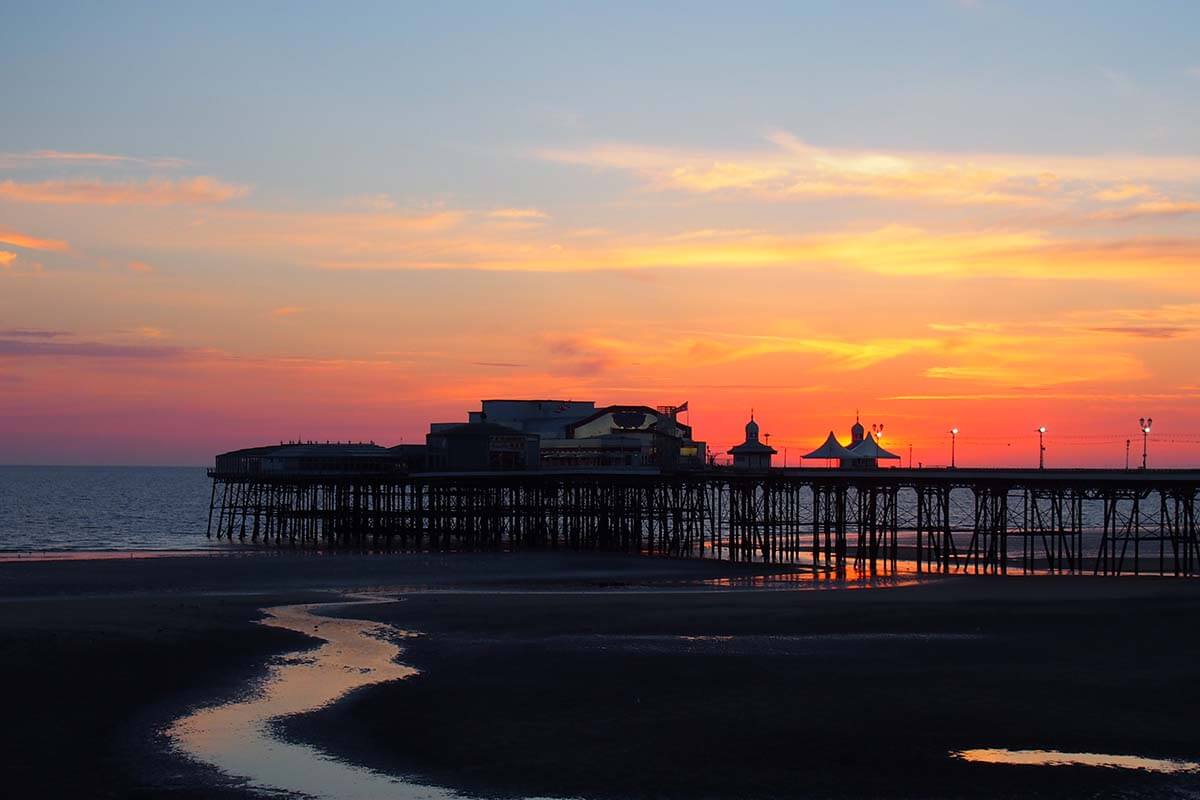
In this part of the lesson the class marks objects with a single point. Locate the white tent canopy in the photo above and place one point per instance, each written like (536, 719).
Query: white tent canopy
(869, 448)
(833, 449)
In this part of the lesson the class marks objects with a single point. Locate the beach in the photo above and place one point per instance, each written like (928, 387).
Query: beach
(588, 675)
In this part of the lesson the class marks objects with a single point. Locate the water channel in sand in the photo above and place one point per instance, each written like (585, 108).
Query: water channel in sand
(237, 737)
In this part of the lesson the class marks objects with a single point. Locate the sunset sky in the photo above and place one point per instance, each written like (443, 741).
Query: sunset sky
(223, 226)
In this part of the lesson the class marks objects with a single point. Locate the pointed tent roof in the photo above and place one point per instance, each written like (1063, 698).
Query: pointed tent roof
(832, 449)
(869, 448)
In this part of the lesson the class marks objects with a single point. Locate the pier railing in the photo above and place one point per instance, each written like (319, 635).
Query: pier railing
(977, 521)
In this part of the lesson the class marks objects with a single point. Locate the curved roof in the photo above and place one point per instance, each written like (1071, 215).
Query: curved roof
(745, 448)
(832, 449)
(869, 448)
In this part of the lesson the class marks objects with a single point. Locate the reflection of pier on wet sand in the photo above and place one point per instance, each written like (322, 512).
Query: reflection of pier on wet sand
(988, 521)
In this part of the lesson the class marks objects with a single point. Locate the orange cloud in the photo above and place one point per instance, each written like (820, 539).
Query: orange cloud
(286, 311)
(6, 258)
(450, 239)
(1124, 191)
(1036, 362)
(153, 192)
(891, 250)
(30, 242)
(140, 266)
(591, 352)
(722, 175)
(518, 213)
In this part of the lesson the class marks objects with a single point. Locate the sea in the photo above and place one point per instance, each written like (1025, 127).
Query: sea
(103, 509)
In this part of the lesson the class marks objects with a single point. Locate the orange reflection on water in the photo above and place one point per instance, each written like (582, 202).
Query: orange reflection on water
(1056, 758)
(238, 739)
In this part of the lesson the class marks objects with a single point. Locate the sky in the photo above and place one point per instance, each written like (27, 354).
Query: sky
(225, 225)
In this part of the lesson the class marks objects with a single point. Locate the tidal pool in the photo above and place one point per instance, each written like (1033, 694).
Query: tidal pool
(237, 737)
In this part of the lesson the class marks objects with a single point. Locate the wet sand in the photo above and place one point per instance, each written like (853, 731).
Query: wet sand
(609, 677)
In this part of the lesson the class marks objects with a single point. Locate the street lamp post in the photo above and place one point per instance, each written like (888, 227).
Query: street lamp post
(953, 447)
(1041, 432)
(1145, 423)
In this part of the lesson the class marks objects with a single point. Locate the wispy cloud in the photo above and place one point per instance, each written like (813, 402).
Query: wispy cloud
(586, 353)
(286, 311)
(518, 213)
(1150, 208)
(891, 250)
(1144, 331)
(152, 192)
(792, 169)
(372, 202)
(26, 348)
(16, 239)
(140, 266)
(31, 333)
(517, 219)
(1035, 367)
(1124, 191)
(35, 157)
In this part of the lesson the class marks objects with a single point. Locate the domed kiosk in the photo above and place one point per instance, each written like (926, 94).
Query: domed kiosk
(752, 454)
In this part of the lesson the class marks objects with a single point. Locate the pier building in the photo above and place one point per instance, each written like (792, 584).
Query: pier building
(752, 454)
(625, 436)
(480, 446)
(309, 458)
(577, 434)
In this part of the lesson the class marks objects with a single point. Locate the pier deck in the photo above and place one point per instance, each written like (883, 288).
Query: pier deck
(978, 521)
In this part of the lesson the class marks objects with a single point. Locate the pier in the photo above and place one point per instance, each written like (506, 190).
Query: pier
(835, 521)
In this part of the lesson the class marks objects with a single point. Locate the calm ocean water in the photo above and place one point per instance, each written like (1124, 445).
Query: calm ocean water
(103, 508)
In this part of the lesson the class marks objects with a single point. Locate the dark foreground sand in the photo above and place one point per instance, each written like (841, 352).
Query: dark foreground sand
(532, 687)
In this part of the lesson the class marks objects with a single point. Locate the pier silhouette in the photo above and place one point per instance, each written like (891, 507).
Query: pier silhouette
(836, 521)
